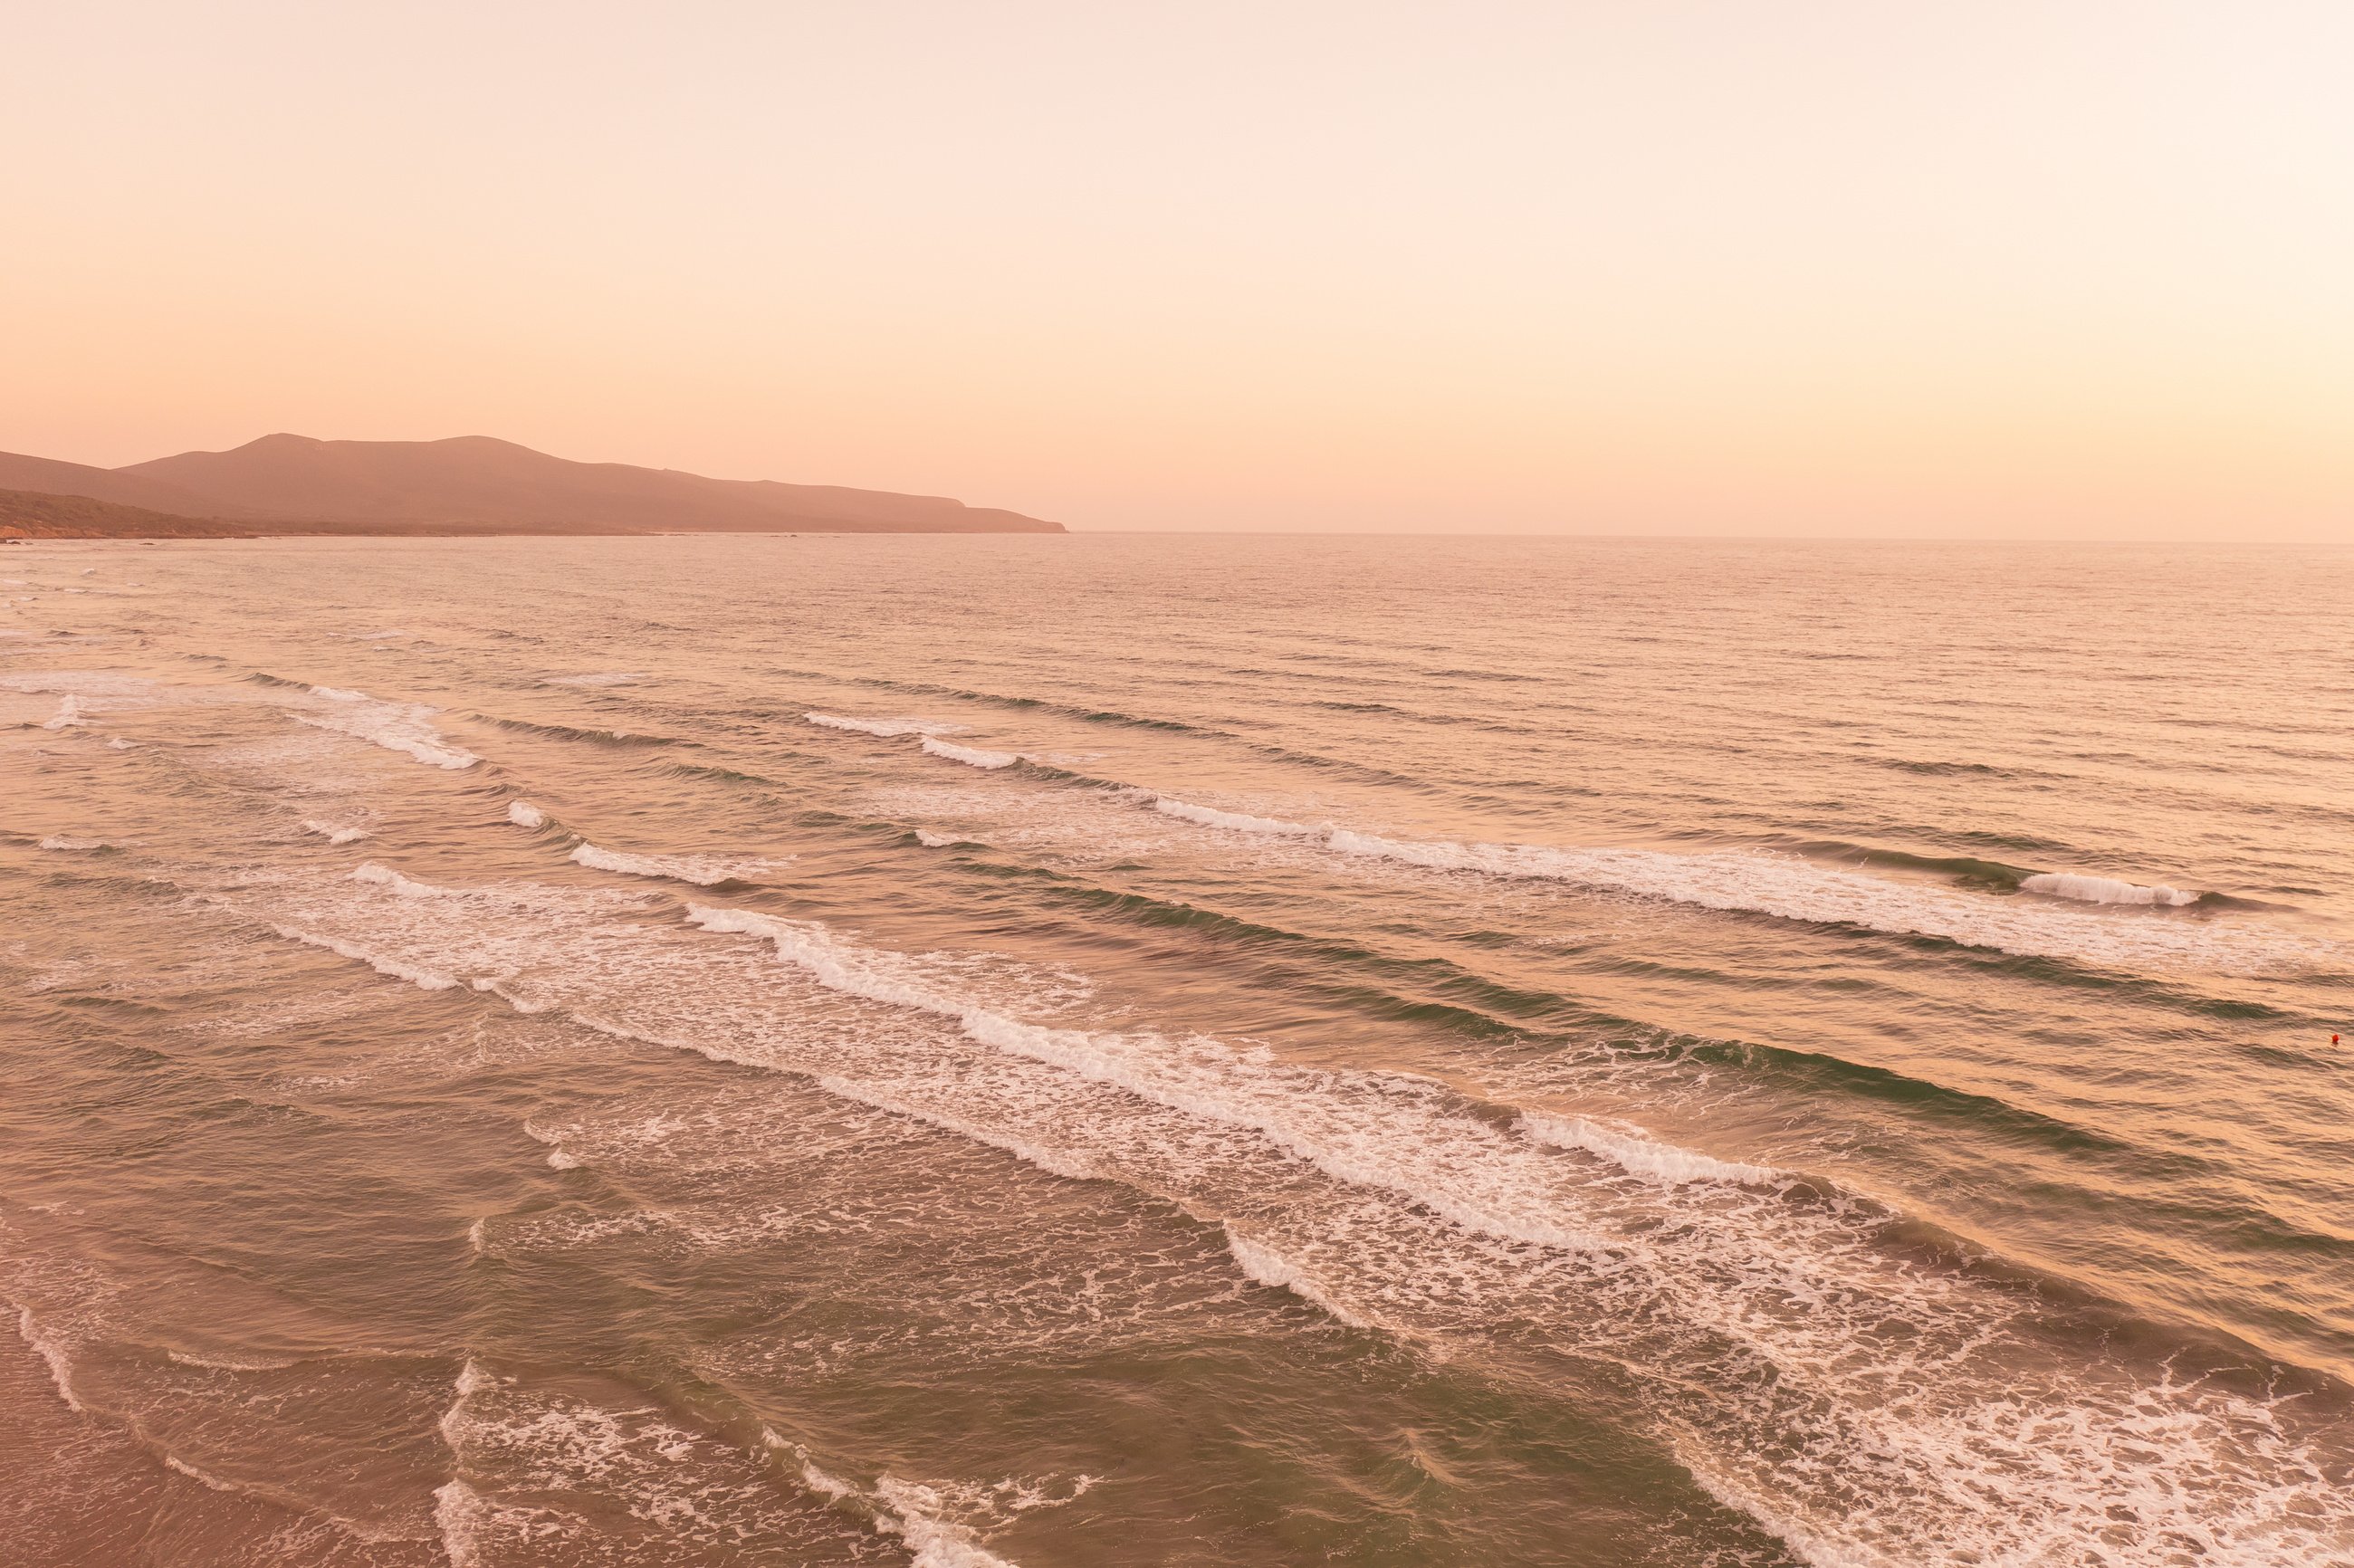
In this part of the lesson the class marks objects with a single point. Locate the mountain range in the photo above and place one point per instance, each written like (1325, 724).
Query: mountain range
(475, 484)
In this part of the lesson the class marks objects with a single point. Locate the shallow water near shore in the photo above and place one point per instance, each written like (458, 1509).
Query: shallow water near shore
(1159, 1050)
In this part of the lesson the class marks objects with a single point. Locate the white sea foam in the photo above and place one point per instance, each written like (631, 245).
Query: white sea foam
(1791, 888)
(173, 1462)
(885, 728)
(1808, 1545)
(1638, 1153)
(558, 1156)
(369, 871)
(1794, 889)
(1793, 1351)
(703, 870)
(524, 814)
(831, 1487)
(116, 743)
(525, 1453)
(2104, 890)
(397, 727)
(459, 1513)
(938, 1543)
(68, 716)
(1234, 822)
(908, 1510)
(334, 834)
(52, 1355)
(424, 979)
(971, 756)
(1269, 1267)
(218, 1362)
(930, 840)
(472, 1379)
(1142, 1065)
(1054, 1161)
(64, 841)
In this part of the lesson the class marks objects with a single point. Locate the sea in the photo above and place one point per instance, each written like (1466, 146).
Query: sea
(974, 1051)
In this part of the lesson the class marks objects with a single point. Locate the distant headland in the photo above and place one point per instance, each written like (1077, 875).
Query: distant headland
(465, 485)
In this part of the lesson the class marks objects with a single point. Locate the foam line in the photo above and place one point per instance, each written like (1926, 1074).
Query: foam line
(1234, 822)
(397, 726)
(2104, 890)
(424, 979)
(703, 870)
(905, 1509)
(1792, 1350)
(1130, 1063)
(1788, 887)
(887, 728)
(52, 1354)
(971, 756)
(1639, 1154)
(1267, 1267)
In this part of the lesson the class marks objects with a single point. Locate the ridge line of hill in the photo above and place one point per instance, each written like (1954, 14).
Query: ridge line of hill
(466, 484)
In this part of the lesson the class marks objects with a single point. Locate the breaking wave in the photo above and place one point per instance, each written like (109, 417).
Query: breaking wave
(397, 727)
(889, 729)
(1264, 1266)
(1234, 822)
(384, 876)
(1639, 1154)
(53, 1356)
(1398, 1202)
(703, 870)
(971, 756)
(1762, 882)
(2102, 890)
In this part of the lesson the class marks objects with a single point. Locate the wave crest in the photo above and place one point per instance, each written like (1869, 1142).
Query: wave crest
(889, 729)
(971, 756)
(2104, 890)
(703, 870)
(404, 727)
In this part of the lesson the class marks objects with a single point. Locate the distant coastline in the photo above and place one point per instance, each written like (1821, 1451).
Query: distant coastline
(467, 485)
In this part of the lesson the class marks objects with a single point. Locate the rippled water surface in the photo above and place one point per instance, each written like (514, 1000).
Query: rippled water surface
(1076, 1051)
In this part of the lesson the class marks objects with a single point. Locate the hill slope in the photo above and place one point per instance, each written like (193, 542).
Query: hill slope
(25, 515)
(477, 480)
(48, 476)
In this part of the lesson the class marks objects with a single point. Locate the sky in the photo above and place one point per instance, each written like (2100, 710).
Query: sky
(2064, 269)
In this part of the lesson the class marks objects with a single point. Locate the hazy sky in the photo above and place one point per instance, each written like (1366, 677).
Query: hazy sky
(1752, 266)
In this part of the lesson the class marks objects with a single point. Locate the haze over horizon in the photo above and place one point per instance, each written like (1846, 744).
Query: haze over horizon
(2069, 270)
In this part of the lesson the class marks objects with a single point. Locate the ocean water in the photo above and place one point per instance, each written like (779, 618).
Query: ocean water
(1125, 1051)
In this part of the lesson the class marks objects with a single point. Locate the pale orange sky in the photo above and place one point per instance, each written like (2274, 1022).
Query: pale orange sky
(1752, 266)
